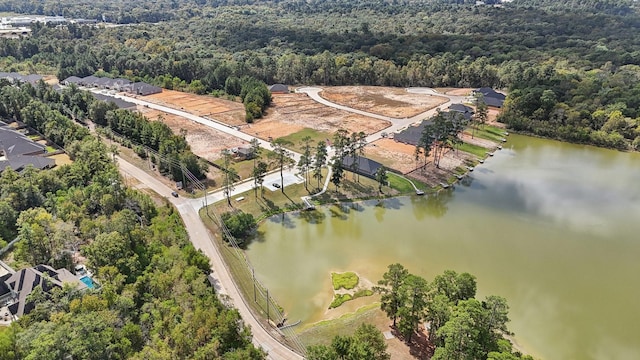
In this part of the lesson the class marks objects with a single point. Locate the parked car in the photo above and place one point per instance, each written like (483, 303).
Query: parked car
(276, 185)
(174, 194)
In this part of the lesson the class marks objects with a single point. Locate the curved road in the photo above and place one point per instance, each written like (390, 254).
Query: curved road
(198, 233)
(396, 123)
(201, 239)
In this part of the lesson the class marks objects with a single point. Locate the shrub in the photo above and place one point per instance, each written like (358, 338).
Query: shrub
(347, 280)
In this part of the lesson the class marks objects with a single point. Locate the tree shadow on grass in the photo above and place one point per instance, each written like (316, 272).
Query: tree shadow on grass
(419, 348)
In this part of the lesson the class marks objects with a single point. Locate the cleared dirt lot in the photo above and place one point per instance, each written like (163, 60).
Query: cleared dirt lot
(226, 111)
(387, 101)
(291, 113)
(392, 154)
(203, 140)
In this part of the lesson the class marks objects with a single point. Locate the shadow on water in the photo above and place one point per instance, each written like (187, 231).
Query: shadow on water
(337, 211)
(435, 205)
(383, 205)
(312, 216)
(467, 181)
(283, 219)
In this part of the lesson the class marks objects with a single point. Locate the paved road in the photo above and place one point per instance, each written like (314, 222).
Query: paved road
(201, 239)
(212, 123)
(199, 235)
(396, 123)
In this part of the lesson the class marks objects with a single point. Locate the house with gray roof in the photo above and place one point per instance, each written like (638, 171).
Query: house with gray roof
(491, 97)
(15, 77)
(119, 84)
(18, 151)
(102, 82)
(142, 88)
(279, 89)
(365, 166)
(72, 80)
(121, 104)
(16, 287)
(466, 111)
(412, 134)
(88, 81)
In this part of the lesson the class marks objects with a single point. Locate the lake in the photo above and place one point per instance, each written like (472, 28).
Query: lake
(552, 227)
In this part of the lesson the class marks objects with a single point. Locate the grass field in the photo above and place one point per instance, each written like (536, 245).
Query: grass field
(479, 151)
(315, 135)
(324, 331)
(488, 132)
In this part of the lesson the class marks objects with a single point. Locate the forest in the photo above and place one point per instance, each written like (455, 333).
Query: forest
(570, 68)
(154, 301)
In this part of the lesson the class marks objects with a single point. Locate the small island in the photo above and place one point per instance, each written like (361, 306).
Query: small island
(346, 286)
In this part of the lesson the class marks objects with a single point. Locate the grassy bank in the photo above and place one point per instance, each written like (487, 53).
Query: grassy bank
(324, 331)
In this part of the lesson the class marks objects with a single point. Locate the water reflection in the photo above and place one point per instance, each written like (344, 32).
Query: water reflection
(558, 241)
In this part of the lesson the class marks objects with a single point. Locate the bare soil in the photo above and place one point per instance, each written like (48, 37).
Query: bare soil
(204, 141)
(228, 112)
(392, 154)
(401, 157)
(290, 113)
(387, 101)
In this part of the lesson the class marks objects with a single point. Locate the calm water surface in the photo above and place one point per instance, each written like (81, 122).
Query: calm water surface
(552, 227)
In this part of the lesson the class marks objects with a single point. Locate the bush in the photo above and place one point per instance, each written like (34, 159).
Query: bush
(339, 300)
(239, 224)
(347, 280)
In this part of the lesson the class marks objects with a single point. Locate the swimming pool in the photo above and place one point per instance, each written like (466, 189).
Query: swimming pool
(87, 281)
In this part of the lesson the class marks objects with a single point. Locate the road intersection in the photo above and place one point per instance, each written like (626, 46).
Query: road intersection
(198, 233)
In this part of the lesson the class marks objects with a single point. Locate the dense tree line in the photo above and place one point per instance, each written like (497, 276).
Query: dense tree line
(529, 48)
(155, 300)
(460, 327)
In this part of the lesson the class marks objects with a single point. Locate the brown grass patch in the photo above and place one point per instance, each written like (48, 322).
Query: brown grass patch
(61, 159)
(387, 101)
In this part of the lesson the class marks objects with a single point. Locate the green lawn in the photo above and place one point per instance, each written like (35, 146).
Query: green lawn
(315, 135)
(347, 280)
(50, 148)
(402, 185)
(324, 331)
(479, 151)
(487, 132)
(339, 299)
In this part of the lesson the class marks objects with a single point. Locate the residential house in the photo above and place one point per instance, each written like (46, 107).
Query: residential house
(72, 80)
(119, 84)
(412, 134)
(244, 153)
(365, 166)
(142, 88)
(16, 287)
(466, 111)
(279, 89)
(15, 77)
(491, 97)
(18, 151)
(89, 81)
(121, 104)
